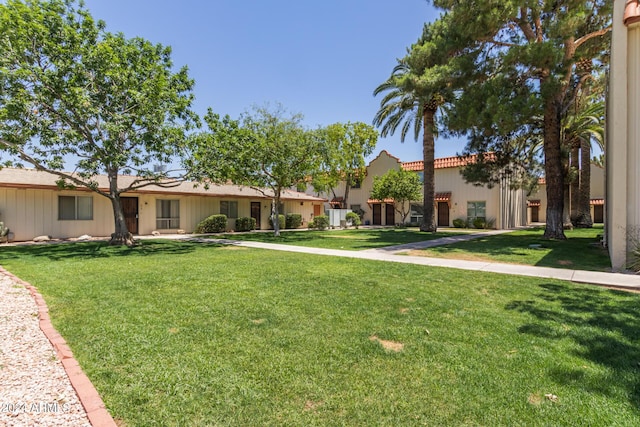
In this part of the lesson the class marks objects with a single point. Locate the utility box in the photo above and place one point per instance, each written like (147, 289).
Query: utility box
(338, 217)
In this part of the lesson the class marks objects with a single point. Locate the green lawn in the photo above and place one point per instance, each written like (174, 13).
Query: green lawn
(182, 334)
(345, 239)
(580, 251)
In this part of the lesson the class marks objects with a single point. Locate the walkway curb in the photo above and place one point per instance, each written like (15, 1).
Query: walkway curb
(87, 394)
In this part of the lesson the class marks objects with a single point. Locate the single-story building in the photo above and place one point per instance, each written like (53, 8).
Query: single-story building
(31, 204)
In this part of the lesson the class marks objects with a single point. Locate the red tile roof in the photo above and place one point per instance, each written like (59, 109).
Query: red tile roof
(534, 203)
(373, 201)
(443, 162)
(597, 202)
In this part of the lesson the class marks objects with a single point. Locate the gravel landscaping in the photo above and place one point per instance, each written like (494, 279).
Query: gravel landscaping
(34, 387)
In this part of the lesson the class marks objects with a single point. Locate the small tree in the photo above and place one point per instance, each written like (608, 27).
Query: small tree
(69, 88)
(401, 186)
(265, 150)
(345, 149)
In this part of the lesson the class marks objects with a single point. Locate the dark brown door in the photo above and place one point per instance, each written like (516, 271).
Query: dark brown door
(130, 208)
(443, 214)
(317, 210)
(255, 213)
(377, 214)
(535, 213)
(390, 214)
(598, 214)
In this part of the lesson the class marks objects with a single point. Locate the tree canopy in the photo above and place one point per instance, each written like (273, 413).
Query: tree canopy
(72, 92)
(266, 149)
(530, 61)
(345, 149)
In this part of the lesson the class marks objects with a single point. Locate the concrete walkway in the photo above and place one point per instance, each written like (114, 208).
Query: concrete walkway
(617, 280)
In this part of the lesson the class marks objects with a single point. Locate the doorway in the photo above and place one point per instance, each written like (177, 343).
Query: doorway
(255, 213)
(390, 214)
(443, 214)
(130, 209)
(377, 214)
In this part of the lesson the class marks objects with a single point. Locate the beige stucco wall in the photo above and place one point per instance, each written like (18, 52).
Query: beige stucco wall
(623, 133)
(34, 212)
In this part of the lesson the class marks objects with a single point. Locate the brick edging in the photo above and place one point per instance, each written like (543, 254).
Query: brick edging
(87, 393)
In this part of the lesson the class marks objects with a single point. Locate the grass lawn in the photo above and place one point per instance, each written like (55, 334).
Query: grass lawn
(184, 334)
(353, 239)
(580, 251)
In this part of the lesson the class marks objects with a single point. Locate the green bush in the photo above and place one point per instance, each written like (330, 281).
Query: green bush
(212, 224)
(321, 222)
(460, 223)
(282, 222)
(293, 220)
(479, 223)
(245, 224)
(354, 219)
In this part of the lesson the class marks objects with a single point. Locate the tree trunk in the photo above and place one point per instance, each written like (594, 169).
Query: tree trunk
(566, 217)
(574, 180)
(347, 187)
(122, 235)
(275, 220)
(428, 153)
(553, 171)
(584, 219)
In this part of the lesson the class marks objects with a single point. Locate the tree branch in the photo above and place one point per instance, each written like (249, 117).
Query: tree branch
(590, 36)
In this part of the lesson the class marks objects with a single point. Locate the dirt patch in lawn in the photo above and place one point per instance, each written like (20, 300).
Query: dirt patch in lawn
(451, 255)
(311, 406)
(258, 321)
(393, 346)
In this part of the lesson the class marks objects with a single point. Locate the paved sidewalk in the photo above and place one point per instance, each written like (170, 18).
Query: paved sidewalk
(617, 280)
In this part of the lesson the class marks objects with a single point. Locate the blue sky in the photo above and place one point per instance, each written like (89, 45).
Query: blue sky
(319, 58)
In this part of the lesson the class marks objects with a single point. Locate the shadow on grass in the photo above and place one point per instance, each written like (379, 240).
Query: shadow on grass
(88, 250)
(604, 324)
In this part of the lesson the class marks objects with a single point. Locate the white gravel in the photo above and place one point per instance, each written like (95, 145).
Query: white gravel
(34, 387)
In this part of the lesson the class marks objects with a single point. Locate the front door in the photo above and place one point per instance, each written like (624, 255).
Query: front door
(377, 214)
(317, 210)
(390, 214)
(255, 213)
(130, 208)
(598, 214)
(443, 214)
(535, 213)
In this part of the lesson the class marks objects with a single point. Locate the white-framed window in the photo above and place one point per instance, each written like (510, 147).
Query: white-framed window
(476, 210)
(416, 213)
(167, 214)
(71, 208)
(229, 208)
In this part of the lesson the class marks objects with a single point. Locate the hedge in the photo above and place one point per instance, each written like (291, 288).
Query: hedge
(212, 224)
(245, 224)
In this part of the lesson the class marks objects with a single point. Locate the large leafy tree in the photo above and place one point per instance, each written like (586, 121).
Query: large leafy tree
(71, 91)
(401, 186)
(346, 146)
(267, 149)
(526, 73)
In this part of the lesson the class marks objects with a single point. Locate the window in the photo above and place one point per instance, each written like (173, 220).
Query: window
(75, 208)
(355, 208)
(230, 209)
(421, 176)
(356, 184)
(416, 213)
(476, 210)
(167, 214)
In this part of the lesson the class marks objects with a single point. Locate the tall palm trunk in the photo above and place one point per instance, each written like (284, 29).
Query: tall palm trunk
(584, 219)
(428, 154)
(574, 179)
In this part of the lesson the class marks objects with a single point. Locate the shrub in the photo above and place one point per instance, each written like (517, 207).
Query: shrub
(321, 222)
(491, 223)
(460, 223)
(293, 220)
(245, 224)
(479, 222)
(354, 219)
(212, 224)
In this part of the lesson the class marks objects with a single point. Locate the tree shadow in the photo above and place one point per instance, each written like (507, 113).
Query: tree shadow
(92, 250)
(605, 325)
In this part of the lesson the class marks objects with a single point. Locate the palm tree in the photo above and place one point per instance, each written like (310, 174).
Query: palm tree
(581, 129)
(407, 105)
